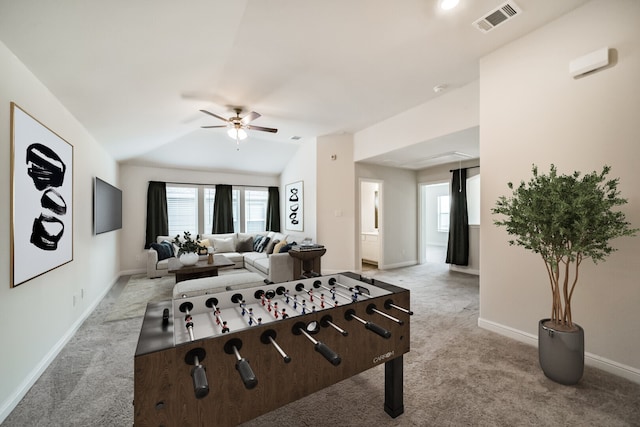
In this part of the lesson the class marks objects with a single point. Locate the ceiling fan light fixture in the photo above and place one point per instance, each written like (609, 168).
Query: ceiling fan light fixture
(237, 133)
(448, 4)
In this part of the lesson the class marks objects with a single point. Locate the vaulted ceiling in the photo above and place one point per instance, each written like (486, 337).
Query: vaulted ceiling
(136, 73)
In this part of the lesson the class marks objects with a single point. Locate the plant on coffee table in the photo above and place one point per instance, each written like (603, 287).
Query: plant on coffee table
(186, 244)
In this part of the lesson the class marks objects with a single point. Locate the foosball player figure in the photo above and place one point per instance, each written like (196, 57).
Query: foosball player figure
(250, 316)
(354, 297)
(286, 296)
(311, 295)
(275, 309)
(217, 314)
(295, 302)
(333, 293)
(243, 306)
(313, 308)
(321, 300)
(304, 307)
(264, 302)
(284, 315)
(269, 305)
(259, 320)
(225, 328)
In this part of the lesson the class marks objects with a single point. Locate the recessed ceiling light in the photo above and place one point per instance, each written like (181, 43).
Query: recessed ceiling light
(448, 4)
(295, 137)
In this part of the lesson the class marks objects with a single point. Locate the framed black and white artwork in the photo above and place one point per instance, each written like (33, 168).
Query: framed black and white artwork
(294, 207)
(41, 198)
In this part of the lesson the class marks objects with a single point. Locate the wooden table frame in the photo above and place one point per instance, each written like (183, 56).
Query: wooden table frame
(200, 269)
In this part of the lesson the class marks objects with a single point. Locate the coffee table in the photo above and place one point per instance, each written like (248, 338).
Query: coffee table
(199, 269)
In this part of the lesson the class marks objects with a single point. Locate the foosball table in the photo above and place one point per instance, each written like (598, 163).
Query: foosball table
(225, 358)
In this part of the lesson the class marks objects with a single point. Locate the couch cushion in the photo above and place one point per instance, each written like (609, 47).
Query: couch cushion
(244, 244)
(163, 265)
(251, 257)
(262, 245)
(222, 245)
(276, 249)
(262, 264)
(272, 244)
(256, 242)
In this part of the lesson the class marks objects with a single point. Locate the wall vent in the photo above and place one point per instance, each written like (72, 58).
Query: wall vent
(497, 16)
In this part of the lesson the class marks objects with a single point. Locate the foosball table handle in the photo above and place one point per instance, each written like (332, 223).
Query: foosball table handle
(328, 354)
(246, 373)
(378, 330)
(200, 383)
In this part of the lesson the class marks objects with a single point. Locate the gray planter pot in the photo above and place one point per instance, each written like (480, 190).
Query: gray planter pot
(561, 353)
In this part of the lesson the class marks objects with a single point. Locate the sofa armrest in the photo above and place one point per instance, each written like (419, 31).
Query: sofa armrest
(280, 267)
(152, 264)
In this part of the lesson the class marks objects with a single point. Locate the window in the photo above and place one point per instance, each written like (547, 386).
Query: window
(443, 213)
(255, 210)
(182, 210)
(249, 209)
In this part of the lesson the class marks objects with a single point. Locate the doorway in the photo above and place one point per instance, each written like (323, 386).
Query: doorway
(370, 224)
(434, 222)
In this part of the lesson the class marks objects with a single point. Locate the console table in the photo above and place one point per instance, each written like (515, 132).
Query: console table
(306, 262)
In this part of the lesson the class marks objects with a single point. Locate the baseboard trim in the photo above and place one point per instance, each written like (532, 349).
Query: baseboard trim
(397, 265)
(590, 359)
(466, 270)
(18, 394)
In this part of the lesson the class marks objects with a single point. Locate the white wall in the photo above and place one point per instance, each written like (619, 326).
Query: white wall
(135, 182)
(399, 214)
(302, 167)
(39, 316)
(454, 111)
(532, 111)
(336, 203)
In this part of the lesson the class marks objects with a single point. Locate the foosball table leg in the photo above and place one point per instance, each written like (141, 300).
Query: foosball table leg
(393, 387)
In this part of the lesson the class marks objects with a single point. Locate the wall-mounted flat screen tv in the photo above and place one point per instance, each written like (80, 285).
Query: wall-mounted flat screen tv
(107, 207)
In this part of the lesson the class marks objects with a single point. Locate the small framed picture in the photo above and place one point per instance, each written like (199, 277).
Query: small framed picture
(294, 206)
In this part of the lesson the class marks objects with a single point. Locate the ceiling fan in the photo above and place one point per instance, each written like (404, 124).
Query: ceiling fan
(237, 124)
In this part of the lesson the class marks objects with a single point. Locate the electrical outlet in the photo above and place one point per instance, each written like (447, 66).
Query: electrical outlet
(82, 293)
(74, 300)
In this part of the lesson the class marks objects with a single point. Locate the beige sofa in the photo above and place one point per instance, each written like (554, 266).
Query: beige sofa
(237, 247)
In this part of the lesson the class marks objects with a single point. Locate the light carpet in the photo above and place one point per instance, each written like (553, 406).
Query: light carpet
(456, 374)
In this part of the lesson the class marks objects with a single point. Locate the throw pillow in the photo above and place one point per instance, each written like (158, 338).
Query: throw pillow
(169, 246)
(276, 248)
(162, 250)
(224, 245)
(263, 244)
(245, 245)
(287, 247)
(205, 243)
(270, 247)
(256, 242)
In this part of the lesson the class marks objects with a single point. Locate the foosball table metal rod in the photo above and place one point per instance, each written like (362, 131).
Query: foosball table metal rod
(384, 333)
(371, 308)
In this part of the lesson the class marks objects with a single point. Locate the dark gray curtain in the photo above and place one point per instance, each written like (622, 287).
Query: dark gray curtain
(458, 247)
(157, 217)
(223, 209)
(273, 209)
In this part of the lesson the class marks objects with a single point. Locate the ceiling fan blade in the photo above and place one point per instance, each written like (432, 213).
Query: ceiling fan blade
(272, 130)
(249, 117)
(211, 127)
(215, 115)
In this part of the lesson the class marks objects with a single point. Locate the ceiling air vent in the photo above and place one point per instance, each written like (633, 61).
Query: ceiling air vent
(497, 16)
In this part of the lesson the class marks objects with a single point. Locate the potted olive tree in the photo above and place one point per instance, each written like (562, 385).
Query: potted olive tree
(566, 219)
